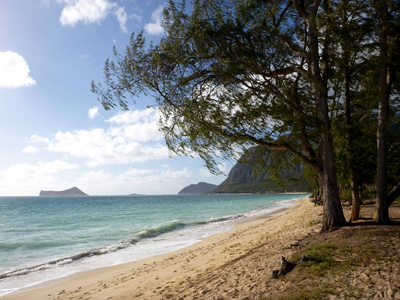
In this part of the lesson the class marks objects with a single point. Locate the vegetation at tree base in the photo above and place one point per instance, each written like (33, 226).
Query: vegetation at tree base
(254, 173)
(309, 81)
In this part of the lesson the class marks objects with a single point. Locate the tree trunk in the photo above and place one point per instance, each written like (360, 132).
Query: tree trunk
(355, 193)
(384, 93)
(356, 203)
(333, 212)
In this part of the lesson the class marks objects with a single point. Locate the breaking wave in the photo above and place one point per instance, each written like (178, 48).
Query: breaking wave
(144, 234)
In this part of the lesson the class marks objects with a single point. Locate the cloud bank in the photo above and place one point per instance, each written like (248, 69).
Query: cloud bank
(131, 137)
(102, 161)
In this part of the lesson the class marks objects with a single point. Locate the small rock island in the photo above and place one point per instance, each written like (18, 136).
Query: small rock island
(200, 188)
(72, 192)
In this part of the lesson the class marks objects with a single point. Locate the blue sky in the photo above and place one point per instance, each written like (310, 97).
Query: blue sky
(54, 133)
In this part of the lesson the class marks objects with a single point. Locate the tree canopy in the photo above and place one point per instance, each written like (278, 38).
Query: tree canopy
(228, 75)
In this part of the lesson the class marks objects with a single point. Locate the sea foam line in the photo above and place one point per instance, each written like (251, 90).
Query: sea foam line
(142, 235)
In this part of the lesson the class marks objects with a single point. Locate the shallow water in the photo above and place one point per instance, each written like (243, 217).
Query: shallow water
(43, 238)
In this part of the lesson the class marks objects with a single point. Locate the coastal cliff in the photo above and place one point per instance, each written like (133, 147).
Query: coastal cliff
(252, 174)
(247, 177)
(72, 192)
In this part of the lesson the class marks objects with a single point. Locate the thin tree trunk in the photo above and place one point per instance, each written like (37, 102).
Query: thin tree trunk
(315, 195)
(355, 193)
(384, 93)
(356, 204)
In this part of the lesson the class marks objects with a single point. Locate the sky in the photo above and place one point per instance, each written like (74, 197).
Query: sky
(54, 133)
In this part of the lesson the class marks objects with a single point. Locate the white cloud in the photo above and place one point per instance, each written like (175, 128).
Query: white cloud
(150, 181)
(38, 139)
(53, 167)
(91, 11)
(14, 71)
(138, 172)
(158, 182)
(93, 112)
(133, 180)
(136, 17)
(222, 167)
(132, 137)
(30, 149)
(86, 11)
(104, 156)
(184, 173)
(148, 115)
(155, 28)
(95, 177)
(122, 18)
(139, 125)
(29, 179)
(204, 172)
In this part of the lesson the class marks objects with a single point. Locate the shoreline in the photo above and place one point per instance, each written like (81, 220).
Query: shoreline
(122, 240)
(172, 273)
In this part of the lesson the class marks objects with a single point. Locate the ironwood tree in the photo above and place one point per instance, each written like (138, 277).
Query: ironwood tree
(228, 75)
(353, 107)
(387, 15)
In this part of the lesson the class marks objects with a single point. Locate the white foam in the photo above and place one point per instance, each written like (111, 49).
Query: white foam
(146, 248)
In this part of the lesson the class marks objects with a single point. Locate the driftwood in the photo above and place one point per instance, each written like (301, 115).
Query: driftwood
(287, 266)
(317, 201)
(307, 258)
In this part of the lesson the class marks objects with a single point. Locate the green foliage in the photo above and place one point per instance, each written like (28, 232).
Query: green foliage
(231, 74)
(311, 176)
(312, 223)
(345, 194)
(223, 79)
(322, 255)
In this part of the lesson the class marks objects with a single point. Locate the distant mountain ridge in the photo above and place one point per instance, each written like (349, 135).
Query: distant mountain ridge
(200, 188)
(72, 192)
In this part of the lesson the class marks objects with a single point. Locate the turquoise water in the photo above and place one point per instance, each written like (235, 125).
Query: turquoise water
(42, 238)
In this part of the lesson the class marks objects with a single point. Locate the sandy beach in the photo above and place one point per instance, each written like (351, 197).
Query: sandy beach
(235, 264)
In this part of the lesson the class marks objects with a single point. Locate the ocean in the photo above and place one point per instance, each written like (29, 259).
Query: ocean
(45, 238)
